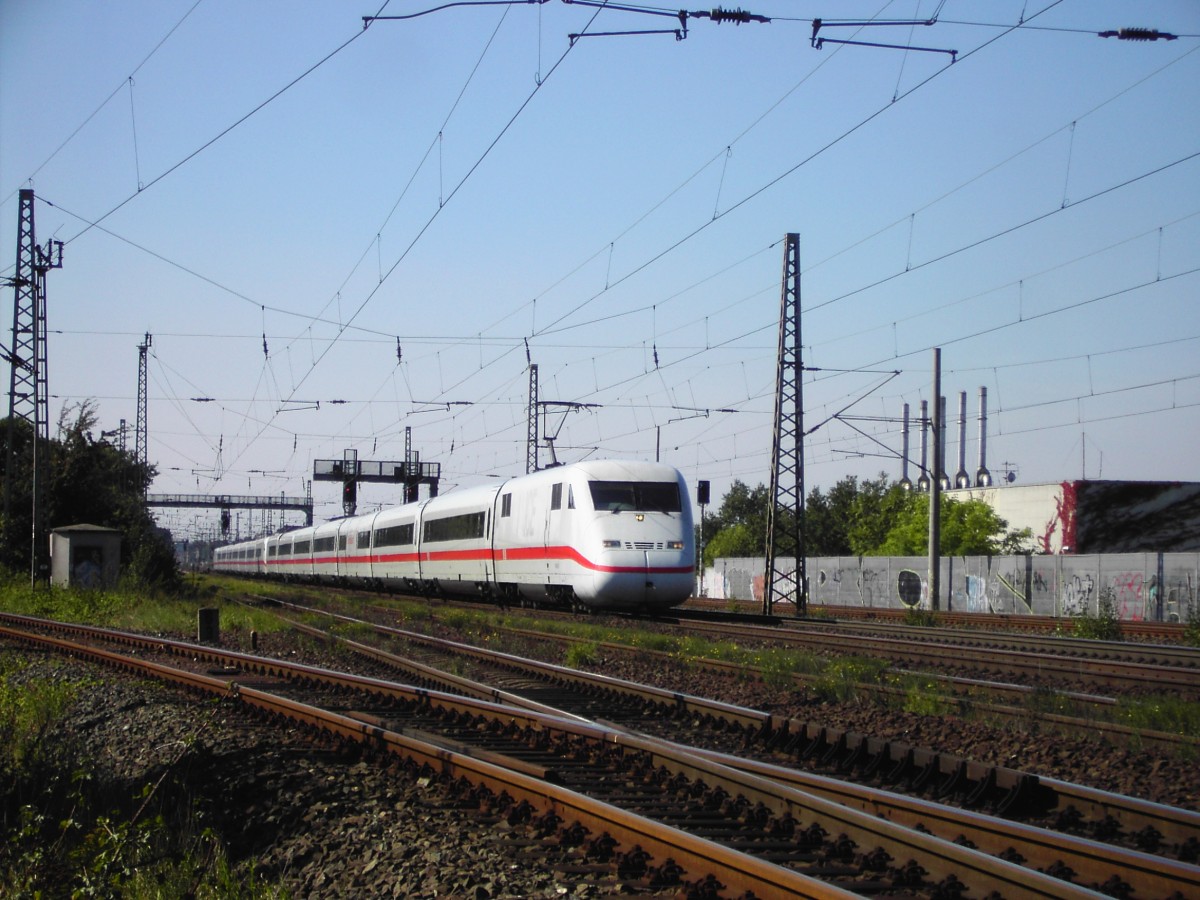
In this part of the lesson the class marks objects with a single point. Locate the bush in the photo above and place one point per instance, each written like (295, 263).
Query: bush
(1104, 626)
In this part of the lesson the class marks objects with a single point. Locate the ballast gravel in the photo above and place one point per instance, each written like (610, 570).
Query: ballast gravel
(327, 825)
(319, 822)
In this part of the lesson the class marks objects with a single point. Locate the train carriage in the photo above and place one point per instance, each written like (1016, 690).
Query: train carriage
(597, 534)
(455, 541)
(324, 550)
(601, 534)
(393, 535)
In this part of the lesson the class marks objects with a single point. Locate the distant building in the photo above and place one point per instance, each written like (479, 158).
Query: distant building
(86, 556)
(1099, 516)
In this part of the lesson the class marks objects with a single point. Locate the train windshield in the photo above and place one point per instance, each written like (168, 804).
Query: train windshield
(643, 496)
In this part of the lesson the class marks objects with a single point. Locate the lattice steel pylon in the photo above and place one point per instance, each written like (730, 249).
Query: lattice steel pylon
(531, 437)
(29, 395)
(785, 515)
(141, 431)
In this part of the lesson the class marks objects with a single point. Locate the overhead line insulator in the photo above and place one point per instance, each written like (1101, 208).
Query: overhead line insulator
(1139, 34)
(736, 16)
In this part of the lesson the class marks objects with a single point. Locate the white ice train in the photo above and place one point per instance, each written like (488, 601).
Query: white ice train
(600, 534)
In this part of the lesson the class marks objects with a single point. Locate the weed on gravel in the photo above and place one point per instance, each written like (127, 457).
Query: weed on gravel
(65, 832)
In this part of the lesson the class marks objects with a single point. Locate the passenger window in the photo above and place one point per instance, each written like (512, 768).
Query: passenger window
(505, 505)
(556, 496)
(570, 497)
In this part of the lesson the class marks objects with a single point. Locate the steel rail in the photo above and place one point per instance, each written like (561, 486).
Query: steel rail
(1114, 672)
(1146, 873)
(738, 871)
(1177, 827)
(1067, 646)
(1077, 725)
(1173, 631)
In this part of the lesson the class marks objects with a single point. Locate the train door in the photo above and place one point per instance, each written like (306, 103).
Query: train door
(553, 524)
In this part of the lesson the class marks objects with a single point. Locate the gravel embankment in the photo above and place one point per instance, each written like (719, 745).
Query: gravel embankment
(318, 822)
(330, 826)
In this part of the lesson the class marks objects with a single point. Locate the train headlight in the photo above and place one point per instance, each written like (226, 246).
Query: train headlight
(674, 545)
(612, 545)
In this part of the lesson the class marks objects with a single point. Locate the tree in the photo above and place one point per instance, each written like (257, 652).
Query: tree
(94, 482)
(734, 541)
(873, 513)
(827, 519)
(743, 513)
(872, 517)
(968, 528)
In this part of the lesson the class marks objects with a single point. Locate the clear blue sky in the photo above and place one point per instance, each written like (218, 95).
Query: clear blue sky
(468, 183)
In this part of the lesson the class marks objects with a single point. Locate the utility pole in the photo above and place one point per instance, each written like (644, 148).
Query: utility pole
(785, 515)
(702, 498)
(29, 396)
(935, 486)
(531, 415)
(141, 435)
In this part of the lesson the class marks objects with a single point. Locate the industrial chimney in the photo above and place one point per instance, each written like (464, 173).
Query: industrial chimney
(983, 478)
(923, 478)
(962, 479)
(905, 483)
(940, 463)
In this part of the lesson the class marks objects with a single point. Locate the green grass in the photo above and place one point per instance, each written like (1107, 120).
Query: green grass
(922, 618)
(28, 713)
(1160, 713)
(69, 835)
(923, 696)
(579, 655)
(841, 679)
(136, 611)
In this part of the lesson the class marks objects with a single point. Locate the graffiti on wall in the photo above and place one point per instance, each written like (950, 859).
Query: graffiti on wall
(1076, 599)
(1130, 596)
(871, 589)
(1146, 587)
(911, 588)
(1180, 597)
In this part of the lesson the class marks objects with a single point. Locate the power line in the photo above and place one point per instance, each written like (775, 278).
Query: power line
(106, 100)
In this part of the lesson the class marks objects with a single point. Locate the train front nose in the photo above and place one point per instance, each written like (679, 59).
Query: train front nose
(645, 579)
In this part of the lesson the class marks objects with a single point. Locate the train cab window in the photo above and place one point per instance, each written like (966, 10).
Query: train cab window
(556, 496)
(505, 505)
(644, 496)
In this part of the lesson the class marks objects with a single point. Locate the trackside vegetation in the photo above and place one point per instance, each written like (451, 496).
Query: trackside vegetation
(836, 680)
(64, 832)
(88, 480)
(867, 517)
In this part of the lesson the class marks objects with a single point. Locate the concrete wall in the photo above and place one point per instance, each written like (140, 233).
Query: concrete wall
(1141, 586)
(1099, 516)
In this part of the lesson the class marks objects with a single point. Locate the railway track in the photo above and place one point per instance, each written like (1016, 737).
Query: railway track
(867, 860)
(1083, 714)
(1036, 658)
(1154, 632)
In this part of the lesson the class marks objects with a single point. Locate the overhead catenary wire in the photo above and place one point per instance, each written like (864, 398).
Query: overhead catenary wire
(490, 338)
